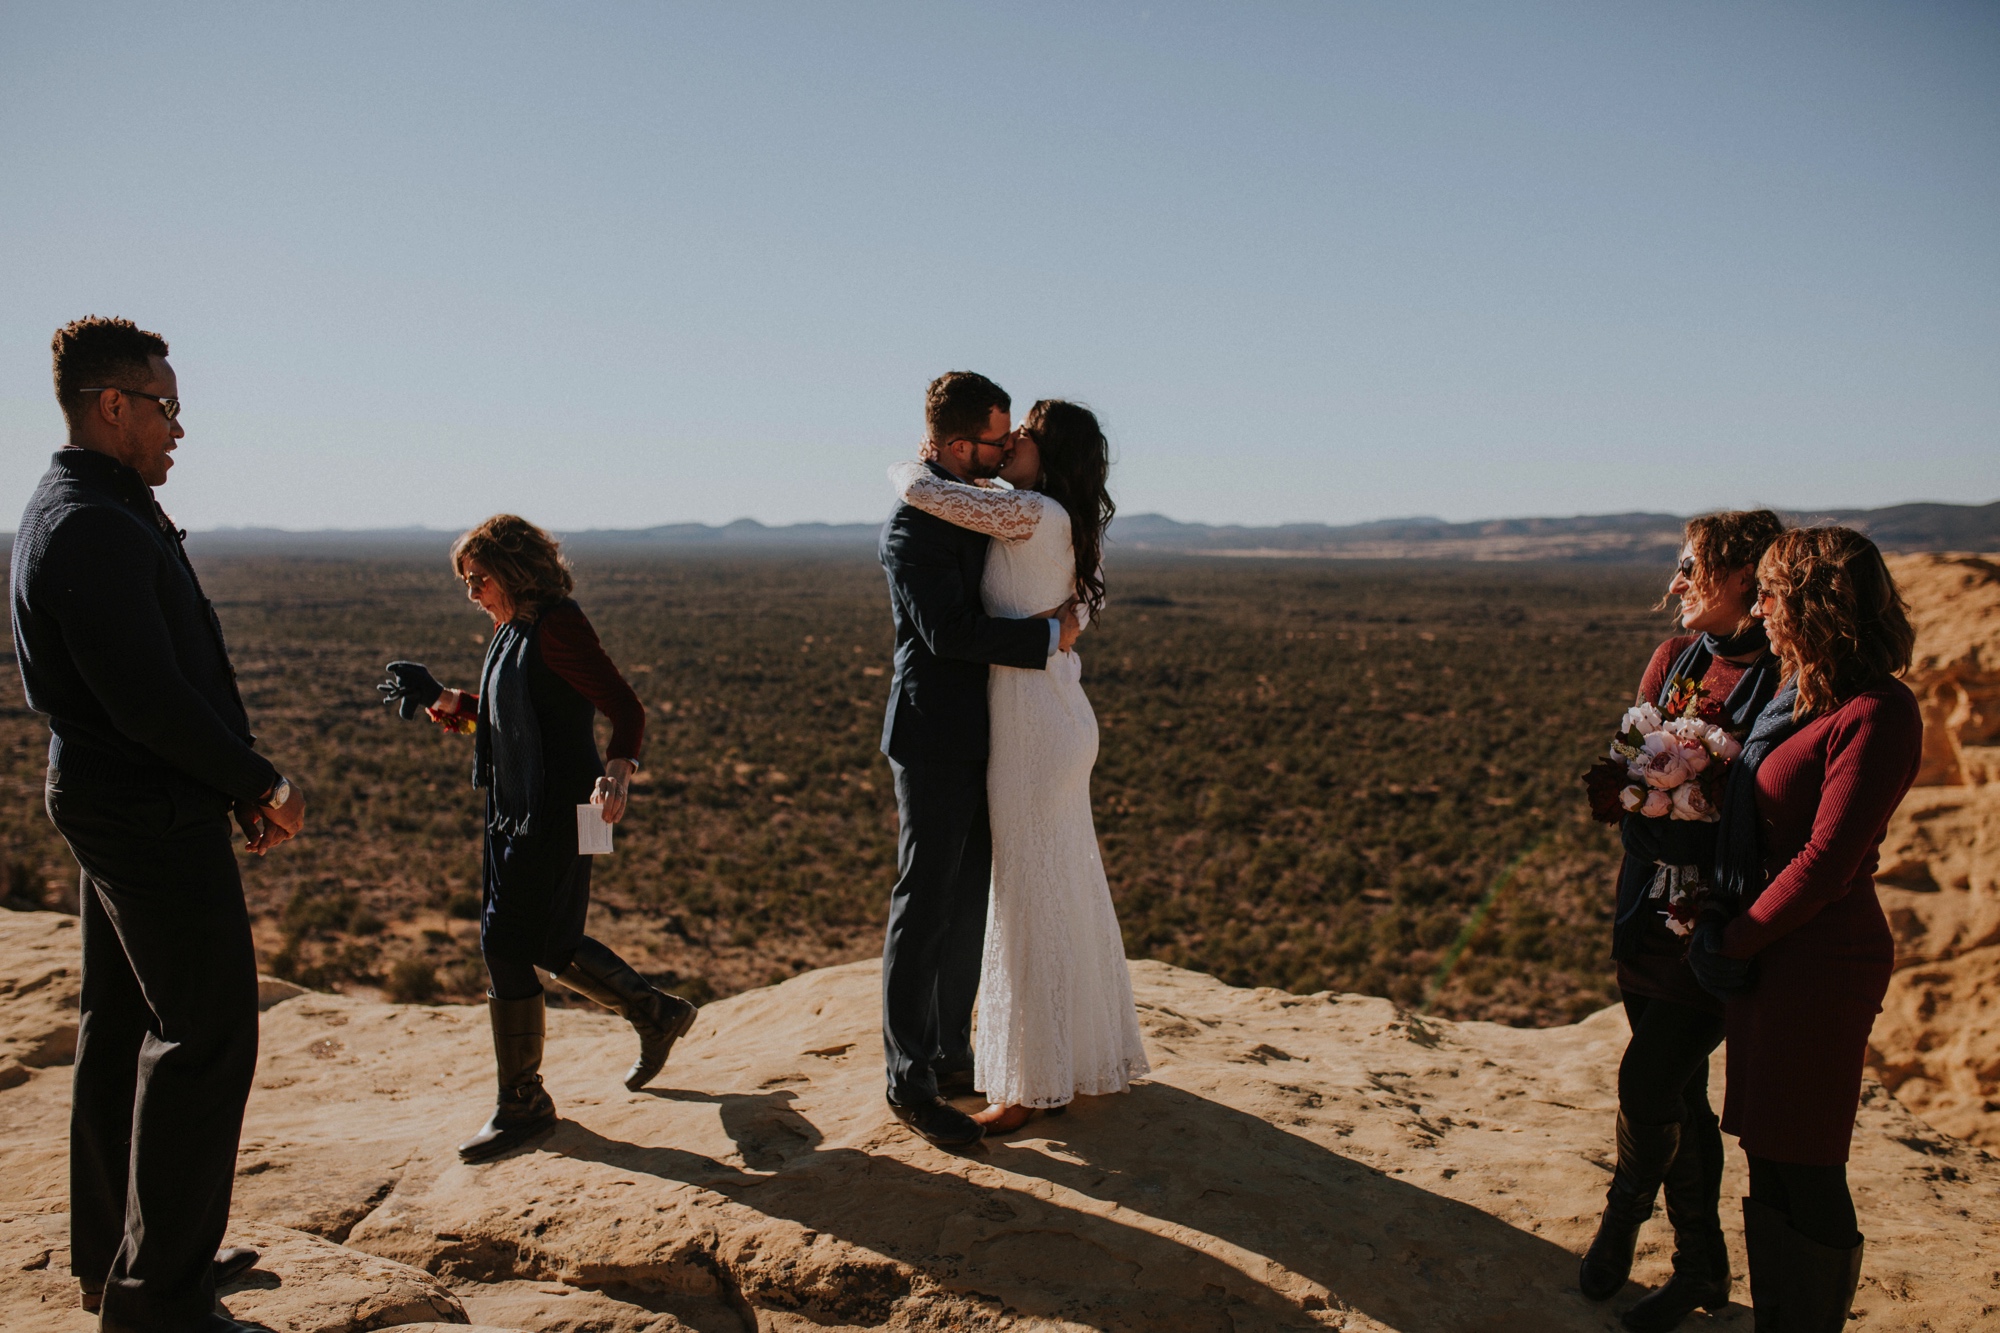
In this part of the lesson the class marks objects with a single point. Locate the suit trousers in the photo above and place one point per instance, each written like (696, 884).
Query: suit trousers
(937, 924)
(166, 1048)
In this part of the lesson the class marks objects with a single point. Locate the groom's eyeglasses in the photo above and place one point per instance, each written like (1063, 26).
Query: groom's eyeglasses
(1000, 443)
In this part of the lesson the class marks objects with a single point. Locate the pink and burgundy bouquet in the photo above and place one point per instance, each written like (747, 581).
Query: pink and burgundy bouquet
(1666, 764)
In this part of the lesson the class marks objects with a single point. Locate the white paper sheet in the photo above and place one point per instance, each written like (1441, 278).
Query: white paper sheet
(593, 835)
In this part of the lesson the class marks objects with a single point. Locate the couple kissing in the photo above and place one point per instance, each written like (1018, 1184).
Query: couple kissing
(1000, 893)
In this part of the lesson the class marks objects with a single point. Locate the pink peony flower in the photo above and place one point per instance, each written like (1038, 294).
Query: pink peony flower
(1723, 745)
(1662, 762)
(1690, 802)
(1657, 803)
(1632, 797)
(1695, 754)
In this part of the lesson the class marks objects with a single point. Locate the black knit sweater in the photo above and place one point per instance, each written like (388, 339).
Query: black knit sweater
(117, 644)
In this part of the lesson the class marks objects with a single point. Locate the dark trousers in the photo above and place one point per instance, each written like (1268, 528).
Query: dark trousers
(937, 924)
(535, 898)
(166, 1047)
(1664, 1075)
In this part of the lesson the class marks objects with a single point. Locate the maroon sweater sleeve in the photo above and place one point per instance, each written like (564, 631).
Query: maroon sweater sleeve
(570, 649)
(1871, 758)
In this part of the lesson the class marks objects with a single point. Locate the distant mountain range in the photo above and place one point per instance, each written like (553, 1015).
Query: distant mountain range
(1600, 537)
(1593, 537)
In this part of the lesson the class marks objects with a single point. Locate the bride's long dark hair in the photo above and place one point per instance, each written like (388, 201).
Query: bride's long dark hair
(1076, 464)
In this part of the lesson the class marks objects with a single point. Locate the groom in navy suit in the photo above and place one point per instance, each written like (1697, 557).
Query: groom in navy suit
(935, 737)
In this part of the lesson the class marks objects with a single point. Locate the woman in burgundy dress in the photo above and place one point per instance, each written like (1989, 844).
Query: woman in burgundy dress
(1795, 937)
(544, 681)
(1667, 1132)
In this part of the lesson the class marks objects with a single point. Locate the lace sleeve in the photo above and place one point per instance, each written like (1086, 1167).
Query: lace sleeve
(1009, 515)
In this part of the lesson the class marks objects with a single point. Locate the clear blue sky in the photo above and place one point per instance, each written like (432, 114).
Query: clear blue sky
(616, 265)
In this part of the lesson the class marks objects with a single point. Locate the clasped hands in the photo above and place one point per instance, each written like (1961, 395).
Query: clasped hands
(265, 826)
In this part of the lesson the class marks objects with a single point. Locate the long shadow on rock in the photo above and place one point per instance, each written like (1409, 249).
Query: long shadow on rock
(980, 1242)
(1381, 1246)
(1385, 1247)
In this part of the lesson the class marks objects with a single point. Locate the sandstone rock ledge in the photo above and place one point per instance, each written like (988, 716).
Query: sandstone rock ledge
(1295, 1162)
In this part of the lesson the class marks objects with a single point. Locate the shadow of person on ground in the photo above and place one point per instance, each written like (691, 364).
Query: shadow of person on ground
(1383, 1247)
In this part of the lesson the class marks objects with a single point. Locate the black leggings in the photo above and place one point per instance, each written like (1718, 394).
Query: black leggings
(1664, 1075)
(1815, 1198)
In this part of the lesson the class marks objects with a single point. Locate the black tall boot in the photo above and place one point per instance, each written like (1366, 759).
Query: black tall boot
(659, 1018)
(524, 1108)
(1817, 1283)
(1764, 1232)
(1693, 1186)
(1644, 1152)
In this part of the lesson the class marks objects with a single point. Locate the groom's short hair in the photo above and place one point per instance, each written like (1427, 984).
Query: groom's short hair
(959, 403)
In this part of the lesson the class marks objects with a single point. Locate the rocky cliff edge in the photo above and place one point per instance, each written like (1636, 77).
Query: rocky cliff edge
(1295, 1162)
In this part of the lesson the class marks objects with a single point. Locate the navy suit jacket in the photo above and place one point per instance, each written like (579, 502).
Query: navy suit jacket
(944, 639)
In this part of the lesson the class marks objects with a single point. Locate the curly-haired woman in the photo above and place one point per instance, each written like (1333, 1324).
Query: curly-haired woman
(1797, 940)
(544, 681)
(1667, 1132)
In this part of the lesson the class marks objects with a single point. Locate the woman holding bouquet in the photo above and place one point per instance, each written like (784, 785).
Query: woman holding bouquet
(1794, 935)
(1667, 1132)
(545, 679)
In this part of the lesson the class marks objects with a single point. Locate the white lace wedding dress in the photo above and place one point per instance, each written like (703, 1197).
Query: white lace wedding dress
(1055, 997)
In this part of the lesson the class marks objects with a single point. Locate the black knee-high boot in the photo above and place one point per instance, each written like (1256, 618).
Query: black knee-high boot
(1816, 1285)
(524, 1107)
(1693, 1186)
(659, 1018)
(1644, 1153)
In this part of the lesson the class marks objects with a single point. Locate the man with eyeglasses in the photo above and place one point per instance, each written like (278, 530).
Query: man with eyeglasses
(150, 752)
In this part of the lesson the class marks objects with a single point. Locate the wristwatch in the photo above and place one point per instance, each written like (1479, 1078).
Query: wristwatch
(281, 791)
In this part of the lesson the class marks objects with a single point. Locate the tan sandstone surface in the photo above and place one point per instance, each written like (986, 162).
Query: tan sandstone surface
(1937, 1043)
(1294, 1162)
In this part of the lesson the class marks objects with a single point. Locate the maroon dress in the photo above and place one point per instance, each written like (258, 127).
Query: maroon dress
(1823, 948)
(1658, 969)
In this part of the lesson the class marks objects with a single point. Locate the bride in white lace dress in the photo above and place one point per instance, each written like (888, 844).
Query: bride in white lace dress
(1055, 998)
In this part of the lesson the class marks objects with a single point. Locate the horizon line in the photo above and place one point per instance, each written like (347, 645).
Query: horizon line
(423, 529)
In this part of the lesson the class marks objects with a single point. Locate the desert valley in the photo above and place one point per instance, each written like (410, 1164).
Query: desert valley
(1339, 809)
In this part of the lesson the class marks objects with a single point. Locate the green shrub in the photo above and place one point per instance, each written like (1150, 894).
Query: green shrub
(412, 981)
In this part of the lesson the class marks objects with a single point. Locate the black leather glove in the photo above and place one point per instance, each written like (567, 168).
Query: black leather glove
(1724, 978)
(1668, 841)
(411, 687)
